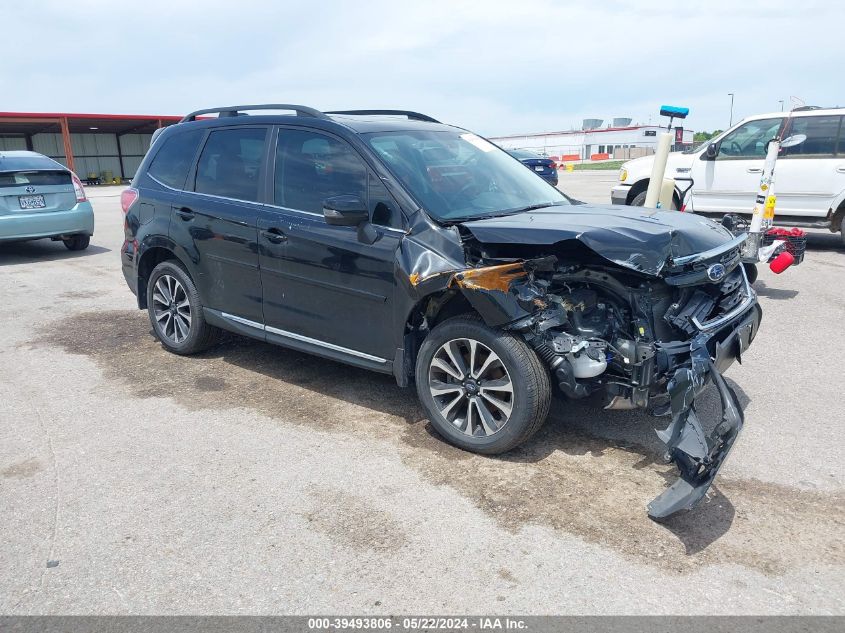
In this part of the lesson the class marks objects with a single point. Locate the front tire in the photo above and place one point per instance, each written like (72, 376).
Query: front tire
(77, 242)
(484, 390)
(175, 310)
(639, 201)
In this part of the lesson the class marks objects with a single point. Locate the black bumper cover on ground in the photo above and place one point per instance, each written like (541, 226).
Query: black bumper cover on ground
(698, 456)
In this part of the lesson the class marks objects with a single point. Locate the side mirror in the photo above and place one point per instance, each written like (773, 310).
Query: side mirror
(712, 150)
(345, 211)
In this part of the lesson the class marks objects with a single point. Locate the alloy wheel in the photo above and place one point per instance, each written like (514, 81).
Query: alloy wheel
(172, 309)
(471, 387)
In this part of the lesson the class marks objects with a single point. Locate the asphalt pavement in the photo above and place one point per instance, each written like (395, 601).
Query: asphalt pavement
(256, 480)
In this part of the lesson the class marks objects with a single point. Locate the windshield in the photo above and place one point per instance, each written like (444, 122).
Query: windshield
(456, 175)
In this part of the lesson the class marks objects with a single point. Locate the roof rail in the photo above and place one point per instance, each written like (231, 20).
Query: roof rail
(234, 110)
(806, 108)
(416, 116)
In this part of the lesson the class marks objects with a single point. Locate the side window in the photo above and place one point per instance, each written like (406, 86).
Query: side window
(173, 161)
(749, 140)
(230, 163)
(383, 209)
(821, 132)
(311, 167)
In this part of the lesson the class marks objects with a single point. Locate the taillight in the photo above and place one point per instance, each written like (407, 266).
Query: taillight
(553, 165)
(77, 188)
(128, 198)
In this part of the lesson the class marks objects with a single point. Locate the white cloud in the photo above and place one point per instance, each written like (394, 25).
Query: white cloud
(497, 67)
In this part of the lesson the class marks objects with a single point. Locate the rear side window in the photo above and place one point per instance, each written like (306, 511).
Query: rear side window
(173, 161)
(821, 132)
(230, 163)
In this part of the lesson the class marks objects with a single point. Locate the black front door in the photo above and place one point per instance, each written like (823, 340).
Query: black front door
(217, 221)
(321, 284)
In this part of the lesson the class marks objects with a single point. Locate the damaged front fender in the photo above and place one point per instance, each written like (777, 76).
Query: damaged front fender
(501, 293)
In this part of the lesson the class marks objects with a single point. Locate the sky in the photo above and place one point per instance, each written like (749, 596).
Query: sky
(494, 67)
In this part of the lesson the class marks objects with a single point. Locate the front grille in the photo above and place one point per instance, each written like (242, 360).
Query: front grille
(731, 294)
(729, 260)
(702, 304)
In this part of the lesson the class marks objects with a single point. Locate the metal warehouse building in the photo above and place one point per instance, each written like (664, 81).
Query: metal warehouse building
(619, 140)
(95, 146)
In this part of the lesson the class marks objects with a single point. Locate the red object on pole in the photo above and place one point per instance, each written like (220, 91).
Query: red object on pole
(781, 262)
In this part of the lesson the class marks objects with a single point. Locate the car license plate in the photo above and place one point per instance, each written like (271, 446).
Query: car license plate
(32, 202)
(538, 168)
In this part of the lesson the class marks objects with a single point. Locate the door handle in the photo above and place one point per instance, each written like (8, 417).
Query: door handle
(185, 213)
(274, 235)
(841, 169)
(755, 170)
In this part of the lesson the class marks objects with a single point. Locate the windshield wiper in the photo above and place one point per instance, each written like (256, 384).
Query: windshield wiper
(532, 207)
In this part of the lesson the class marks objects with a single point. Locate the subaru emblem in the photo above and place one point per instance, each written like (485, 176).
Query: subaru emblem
(716, 272)
(30, 189)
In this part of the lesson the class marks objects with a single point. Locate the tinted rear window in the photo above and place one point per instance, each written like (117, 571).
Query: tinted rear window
(26, 163)
(173, 161)
(42, 178)
(521, 154)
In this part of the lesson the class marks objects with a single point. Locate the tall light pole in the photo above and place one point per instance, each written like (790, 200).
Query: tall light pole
(731, 95)
(781, 104)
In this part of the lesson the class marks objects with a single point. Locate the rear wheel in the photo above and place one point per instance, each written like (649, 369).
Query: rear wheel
(77, 242)
(484, 390)
(175, 310)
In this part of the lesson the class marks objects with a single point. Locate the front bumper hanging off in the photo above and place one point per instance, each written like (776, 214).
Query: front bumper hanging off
(698, 456)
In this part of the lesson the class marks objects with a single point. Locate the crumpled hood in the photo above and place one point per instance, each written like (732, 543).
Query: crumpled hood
(634, 237)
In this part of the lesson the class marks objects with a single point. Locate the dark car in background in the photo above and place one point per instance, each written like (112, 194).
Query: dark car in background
(418, 249)
(544, 167)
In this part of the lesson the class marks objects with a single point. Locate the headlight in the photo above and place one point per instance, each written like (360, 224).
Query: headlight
(623, 175)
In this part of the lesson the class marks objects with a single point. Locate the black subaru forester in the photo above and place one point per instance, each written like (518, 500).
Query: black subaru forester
(387, 240)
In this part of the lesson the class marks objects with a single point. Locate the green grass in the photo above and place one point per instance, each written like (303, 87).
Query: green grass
(607, 165)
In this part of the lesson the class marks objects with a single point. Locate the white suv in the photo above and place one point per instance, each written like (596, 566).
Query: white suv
(809, 177)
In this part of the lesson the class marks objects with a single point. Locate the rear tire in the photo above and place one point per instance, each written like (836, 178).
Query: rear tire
(77, 242)
(175, 310)
(503, 397)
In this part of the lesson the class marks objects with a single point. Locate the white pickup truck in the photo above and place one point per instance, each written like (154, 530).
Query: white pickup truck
(809, 177)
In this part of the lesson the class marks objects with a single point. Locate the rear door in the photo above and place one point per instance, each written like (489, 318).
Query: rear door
(728, 183)
(216, 219)
(321, 284)
(811, 175)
